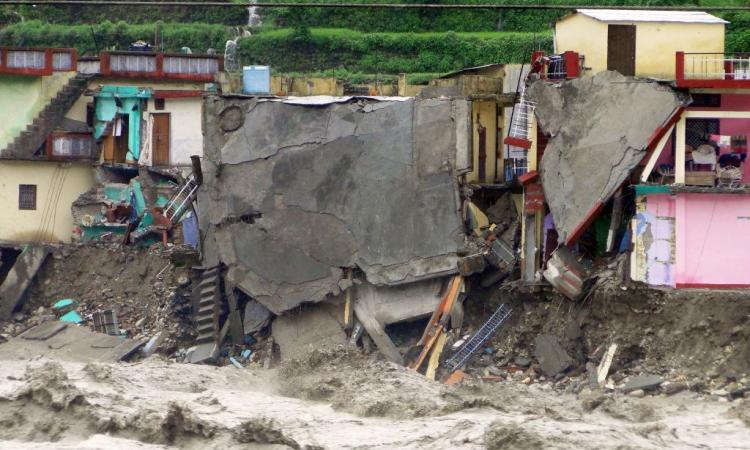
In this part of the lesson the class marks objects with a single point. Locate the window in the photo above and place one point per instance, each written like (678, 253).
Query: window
(159, 104)
(27, 197)
(73, 146)
(706, 100)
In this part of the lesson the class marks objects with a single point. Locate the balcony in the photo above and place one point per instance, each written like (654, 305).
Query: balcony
(37, 61)
(161, 66)
(712, 70)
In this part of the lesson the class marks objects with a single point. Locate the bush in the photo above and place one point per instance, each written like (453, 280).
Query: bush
(386, 53)
(92, 38)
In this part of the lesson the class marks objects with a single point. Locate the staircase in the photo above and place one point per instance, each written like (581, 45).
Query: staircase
(207, 301)
(464, 354)
(28, 142)
(181, 201)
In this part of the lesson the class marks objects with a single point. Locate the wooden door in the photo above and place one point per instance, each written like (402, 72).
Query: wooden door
(160, 139)
(621, 49)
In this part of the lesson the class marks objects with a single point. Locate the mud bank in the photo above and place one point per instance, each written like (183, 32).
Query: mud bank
(681, 335)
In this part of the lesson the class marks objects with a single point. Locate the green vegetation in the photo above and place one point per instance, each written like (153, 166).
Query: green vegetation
(77, 14)
(458, 20)
(90, 39)
(355, 45)
(288, 50)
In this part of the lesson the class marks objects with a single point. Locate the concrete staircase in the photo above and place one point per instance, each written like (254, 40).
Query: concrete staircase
(28, 142)
(207, 300)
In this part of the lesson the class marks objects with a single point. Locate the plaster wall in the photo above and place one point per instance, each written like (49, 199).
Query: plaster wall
(656, 43)
(186, 136)
(22, 98)
(713, 240)
(58, 186)
(484, 113)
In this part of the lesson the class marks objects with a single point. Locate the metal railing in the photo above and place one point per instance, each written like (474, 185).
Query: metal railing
(712, 69)
(520, 126)
(161, 66)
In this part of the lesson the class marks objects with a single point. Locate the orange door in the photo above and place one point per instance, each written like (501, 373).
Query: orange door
(160, 139)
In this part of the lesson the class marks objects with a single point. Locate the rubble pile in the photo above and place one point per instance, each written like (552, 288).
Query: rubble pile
(663, 342)
(148, 292)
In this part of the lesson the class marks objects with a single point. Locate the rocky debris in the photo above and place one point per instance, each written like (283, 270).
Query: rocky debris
(263, 431)
(501, 435)
(551, 356)
(140, 284)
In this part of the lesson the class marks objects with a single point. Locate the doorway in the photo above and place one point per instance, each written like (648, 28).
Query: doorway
(621, 49)
(160, 138)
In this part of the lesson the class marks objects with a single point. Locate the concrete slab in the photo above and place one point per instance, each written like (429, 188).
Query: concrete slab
(299, 193)
(644, 382)
(591, 149)
(71, 343)
(43, 331)
(299, 332)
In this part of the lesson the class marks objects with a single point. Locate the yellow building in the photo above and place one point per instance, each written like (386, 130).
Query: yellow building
(35, 197)
(638, 42)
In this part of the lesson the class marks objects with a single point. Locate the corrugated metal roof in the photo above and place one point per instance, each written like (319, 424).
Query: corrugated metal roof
(632, 15)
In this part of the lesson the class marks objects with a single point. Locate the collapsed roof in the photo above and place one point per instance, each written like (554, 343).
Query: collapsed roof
(599, 130)
(296, 194)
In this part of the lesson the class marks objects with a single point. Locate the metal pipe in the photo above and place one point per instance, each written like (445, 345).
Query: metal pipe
(363, 5)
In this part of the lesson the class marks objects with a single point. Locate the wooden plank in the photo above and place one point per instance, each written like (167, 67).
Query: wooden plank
(655, 155)
(434, 360)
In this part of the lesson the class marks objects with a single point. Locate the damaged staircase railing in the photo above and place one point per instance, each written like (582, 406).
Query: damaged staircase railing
(181, 201)
(519, 134)
(464, 354)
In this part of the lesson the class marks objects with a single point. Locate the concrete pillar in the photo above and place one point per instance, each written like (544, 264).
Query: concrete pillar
(679, 164)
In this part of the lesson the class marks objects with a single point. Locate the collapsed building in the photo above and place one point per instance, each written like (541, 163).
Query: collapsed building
(304, 199)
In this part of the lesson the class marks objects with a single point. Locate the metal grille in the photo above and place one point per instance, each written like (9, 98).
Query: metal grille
(27, 196)
(23, 59)
(132, 63)
(522, 113)
(62, 61)
(179, 65)
(482, 335)
(73, 146)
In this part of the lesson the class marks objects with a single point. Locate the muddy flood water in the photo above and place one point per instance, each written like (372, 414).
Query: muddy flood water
(339, 403)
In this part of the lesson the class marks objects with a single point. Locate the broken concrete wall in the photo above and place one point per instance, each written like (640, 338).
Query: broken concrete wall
(295, 193)
(599, 129)
(653, 256)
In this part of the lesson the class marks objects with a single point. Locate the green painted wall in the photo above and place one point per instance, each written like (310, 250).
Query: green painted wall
(21, 100)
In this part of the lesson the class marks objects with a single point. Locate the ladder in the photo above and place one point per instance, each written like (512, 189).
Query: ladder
(485, 332)
(178, 204)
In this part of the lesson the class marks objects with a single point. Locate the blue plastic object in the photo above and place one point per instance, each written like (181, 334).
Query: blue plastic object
(256, 79)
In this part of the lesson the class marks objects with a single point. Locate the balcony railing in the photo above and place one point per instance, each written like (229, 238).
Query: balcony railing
(161, 66)
(712, 70)
(37, 61)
